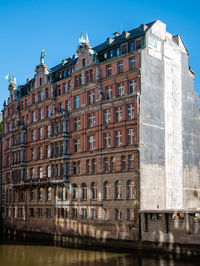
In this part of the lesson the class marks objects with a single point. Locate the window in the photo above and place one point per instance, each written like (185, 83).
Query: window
(77, 145)
(58, 90)
(91, 75)
(111, 53)
(48, 131)
(48, 111)
(79, 167)
(91, 120)
(64, 88)
(48, 170)
(112, 164)
(130, 112)
(33, 99)
(118, 190)
(91, 143)
(87, 77)
(77, 101)
(40, 96)
(118, 114)
(130, 161)
(120, 67)
(41, 114)
(74, 213)
(87, 166)
(108, 71)
(60, 107)
(46, 93)
(109, 93)
(91, 98)
(83, 213)
(67, 105)
(40, 81)
(32, 154)
(106, 116)
(48, 194)
(118, 51)
(93, 166)
(77, 124)
(39, 212)
(74, 192)
(80, 79)
(132, 86)
(40, 153)
(32, 195)
(131, 46)
(120, 89)
(40, 172)
(138, 43)
(74, 168)
(106, 140)
(40, 133)
(131, 63)
(105, 165)
(105, 214)
(118, 214)
(69, 84)
(124, 48)
(33, 135)
(83, 191)
(93, 191)
(48, 212)
(33, 116)
(93, 214)
(131, 136)
(123, 163)
(130, 189)
(118, 138)
(60, 193)
(31, 212)
(40, 191)
(106, 190)
(83, 62)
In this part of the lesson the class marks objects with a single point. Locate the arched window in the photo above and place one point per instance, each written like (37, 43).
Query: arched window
(74, 192)
(93, 191)
(106, 190)
(83, 191)
(40, 192)
(118, 190)
(130, 189)
(48, 193)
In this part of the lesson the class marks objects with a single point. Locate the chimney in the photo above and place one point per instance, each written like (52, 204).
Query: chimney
(109, 41)
(116, 34)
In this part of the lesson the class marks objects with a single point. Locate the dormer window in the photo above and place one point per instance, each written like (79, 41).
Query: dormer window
(41, 81)
(83, 62)
(111, 54)
(131, 46)
(105, 55)
(124, 48)
(118, 51)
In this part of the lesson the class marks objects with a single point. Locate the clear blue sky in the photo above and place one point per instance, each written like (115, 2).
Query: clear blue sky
(55, 25)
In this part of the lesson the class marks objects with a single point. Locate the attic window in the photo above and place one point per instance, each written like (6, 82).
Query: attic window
(105, 55)
(131, 46)
(124, 48)
(118, 51)
(40, 81)
(83, 62)
(111, 54)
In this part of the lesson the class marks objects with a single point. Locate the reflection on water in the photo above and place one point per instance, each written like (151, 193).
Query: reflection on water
(24, 255)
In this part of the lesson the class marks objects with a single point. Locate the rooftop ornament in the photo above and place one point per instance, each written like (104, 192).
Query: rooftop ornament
(82, 40)
(42, 56)
(11, 79)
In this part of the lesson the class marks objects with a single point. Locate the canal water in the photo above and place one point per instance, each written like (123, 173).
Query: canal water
(19, 254)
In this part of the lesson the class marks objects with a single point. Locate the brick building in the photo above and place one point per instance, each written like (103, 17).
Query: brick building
(86, 144)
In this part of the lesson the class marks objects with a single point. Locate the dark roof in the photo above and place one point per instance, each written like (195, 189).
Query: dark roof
(119, 39)
(69, 62)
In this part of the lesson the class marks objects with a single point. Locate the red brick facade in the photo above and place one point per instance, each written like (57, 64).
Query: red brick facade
(70, 147)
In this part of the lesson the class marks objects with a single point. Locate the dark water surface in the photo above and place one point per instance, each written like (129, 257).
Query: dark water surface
(36, 255)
